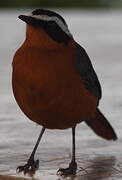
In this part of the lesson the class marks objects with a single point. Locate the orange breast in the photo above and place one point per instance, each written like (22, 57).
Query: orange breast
(48, 88)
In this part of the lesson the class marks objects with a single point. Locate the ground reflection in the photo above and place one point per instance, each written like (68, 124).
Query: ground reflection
(100, 168)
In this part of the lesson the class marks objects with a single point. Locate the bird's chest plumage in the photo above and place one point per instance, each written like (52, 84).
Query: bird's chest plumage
(48, 88)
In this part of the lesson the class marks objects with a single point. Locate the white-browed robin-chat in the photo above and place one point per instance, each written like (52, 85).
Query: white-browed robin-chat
(55, 84)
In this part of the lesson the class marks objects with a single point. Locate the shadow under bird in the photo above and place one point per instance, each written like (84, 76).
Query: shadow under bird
(55, 84)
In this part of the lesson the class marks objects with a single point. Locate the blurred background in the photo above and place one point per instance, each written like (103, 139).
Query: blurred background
(63, 3)
(97, 26)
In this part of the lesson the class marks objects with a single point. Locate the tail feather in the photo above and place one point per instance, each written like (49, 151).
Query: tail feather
(102, 127)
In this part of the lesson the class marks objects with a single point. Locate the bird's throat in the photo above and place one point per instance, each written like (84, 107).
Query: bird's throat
(39, 38)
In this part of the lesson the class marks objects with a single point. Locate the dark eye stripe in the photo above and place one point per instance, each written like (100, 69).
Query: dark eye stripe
(48, 13)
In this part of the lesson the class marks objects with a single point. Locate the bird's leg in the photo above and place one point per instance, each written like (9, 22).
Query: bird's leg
(71, 170)
(31, 166)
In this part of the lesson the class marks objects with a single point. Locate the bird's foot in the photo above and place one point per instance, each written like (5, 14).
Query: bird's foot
(71, 170)
(30, 168)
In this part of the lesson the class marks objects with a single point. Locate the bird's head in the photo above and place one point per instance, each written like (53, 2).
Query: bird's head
(51, 22)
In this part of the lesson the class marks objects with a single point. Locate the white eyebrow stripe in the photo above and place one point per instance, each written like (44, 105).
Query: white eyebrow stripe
(63, 26)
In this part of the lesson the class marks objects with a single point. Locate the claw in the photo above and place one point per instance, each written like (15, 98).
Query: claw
(19, 169)
(71, 170)
(61, 173)
(30, 168)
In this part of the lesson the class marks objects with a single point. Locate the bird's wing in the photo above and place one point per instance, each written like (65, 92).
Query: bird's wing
(86, 71)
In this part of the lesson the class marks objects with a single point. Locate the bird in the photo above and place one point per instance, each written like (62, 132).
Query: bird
(55, 84)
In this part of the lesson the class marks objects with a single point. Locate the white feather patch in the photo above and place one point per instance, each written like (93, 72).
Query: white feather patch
(59, 22)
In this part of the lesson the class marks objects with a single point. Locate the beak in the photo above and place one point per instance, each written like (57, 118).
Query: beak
(31, 20)
(26, 19)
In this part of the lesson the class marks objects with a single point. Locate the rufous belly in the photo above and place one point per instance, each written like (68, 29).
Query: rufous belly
(49, 89)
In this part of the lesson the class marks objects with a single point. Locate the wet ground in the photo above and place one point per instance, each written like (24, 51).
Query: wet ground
(100, 33)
